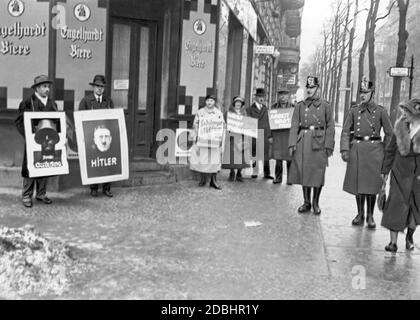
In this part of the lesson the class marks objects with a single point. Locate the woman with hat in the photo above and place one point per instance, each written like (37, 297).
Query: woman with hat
(364, 152)
(208, 134)
(97, 100)
(402, 159)
(39, 101)
(234, 157)
(281, 138)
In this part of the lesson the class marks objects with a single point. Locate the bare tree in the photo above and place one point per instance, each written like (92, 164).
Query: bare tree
(401, 53)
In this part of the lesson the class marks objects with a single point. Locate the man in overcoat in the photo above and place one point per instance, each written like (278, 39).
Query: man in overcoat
(281, 138)
(364, 152)
(311, 143)
(93, 101)
(259, 110)
(39, 101)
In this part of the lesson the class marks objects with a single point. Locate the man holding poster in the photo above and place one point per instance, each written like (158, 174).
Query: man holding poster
(280, 116)
(37, 102)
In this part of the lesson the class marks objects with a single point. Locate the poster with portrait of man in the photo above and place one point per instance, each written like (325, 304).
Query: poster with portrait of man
(102, 145)
(45, 135)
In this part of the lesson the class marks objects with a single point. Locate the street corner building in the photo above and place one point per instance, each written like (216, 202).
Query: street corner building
(160, 59)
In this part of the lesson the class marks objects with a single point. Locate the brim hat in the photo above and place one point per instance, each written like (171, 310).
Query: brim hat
(98, 80)
(41, 79)
(260, 92)
(238, 98)
(283, 90)
(211, 96)
(412, 106)
(312, 82)
(367, 86)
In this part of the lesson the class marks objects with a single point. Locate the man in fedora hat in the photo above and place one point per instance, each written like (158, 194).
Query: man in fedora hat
(362, 148)
(281, 137)
(259, 110)
(97, 100)
(39, 101)
(311, 143)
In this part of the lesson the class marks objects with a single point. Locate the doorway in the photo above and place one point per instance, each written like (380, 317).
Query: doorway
(133, 80)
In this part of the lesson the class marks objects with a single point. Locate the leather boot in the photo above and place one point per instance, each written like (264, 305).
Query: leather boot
(371, 199)
(279, 172)
(203, 180)
(306, 207)
(232, 175)
(409, 241)
(239, 176)
(315, 202)
(360, 218)
(213, 182)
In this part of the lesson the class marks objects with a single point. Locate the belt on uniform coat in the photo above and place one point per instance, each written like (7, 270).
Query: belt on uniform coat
(367, 138)
(312, 128)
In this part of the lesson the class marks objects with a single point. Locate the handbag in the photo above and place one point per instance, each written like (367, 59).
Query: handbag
(382, 197)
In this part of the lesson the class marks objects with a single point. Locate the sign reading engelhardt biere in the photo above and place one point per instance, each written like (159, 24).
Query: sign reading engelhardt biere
(280, 118)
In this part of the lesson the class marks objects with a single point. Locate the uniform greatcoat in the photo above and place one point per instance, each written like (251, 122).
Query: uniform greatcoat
(281, 137)
(402, 158)
(363, 174)
(32, 103)
(263, 124)
(312, 133)
(207, 159)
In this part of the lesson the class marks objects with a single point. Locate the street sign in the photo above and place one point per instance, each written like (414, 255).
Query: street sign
(264, 49)
(399, 72)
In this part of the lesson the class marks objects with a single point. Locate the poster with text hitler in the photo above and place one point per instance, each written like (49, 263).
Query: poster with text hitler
(280, 118)
(45, 135)
(210, 132)
(237, 123)
(102, 144)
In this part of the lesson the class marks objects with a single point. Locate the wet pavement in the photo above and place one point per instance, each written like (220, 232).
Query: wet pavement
(184, 242)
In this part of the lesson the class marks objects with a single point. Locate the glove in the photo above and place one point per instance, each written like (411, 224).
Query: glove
(292, 151)
(345, 156)
(329, 152)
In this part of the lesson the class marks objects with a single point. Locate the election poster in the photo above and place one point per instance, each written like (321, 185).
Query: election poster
(280, 118)
(237, 123)
(183, 142)
(102, 145)
(210, 132)
(45, 135)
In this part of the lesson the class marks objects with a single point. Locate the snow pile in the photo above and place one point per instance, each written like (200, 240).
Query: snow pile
(32, 264)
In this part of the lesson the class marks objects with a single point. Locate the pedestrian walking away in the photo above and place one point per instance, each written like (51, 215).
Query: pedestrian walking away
(39, 101)
(209, 135)
(281, 139)
(401, 161)
(311, 143)
(93, 101)
(236, 154)
(259, 110)
(362, 148)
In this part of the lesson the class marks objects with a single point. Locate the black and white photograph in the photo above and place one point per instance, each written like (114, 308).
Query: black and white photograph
(231, 152)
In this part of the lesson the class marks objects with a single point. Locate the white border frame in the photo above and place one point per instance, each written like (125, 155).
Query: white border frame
(94, 115)
(30, 145)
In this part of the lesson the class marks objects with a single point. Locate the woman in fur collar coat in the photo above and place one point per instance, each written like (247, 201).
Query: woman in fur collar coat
(402, 159)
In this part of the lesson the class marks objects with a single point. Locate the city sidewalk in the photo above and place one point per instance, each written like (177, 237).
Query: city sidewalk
(245, 242)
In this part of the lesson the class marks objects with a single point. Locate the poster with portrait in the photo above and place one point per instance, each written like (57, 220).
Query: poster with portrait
(102, 145)
(45, 134)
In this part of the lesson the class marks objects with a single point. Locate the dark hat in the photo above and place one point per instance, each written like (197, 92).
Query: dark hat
(260, 92)
(238, 98)
(366, 86)
(312, 82)
(413, 106)
(99, 80)
(211, 96)
(46, 128)
(40, 80)
(283, 90)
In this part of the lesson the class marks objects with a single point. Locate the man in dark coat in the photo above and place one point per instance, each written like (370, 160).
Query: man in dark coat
(311, 143)
(281, 138)
(364, 153)
(97, 100)
(37, 102)
(259, 110)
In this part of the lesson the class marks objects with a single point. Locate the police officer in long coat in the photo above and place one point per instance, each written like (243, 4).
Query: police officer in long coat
(281, 138)
(39, 101)
(311, 142)
(364, 153)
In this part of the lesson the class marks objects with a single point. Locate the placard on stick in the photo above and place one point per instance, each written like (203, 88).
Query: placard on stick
(280, 118)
